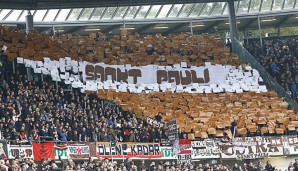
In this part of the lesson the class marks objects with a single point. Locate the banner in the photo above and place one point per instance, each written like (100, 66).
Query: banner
(20, 151)
(208, 143)
(171, 130)
(43, 150)
(75, 150)
(204, 149)
(208, 153)
(129, 150)
(186, 150)
(211, 74)
(246, 141)
(150, 77)
(79, 150)
(292, 140)
(92, 146)
(3, 149)
(167, 153)
(165, 142)
(260, 150)
(184, 159)
(61, 151)
(155, 123)
(185, 146)
(276, 142)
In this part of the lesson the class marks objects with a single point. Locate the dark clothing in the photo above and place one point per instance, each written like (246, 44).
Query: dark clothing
(269, 167)
(128, 166)
(236, 169)
(83, 135)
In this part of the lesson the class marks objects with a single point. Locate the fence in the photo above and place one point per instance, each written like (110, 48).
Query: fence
(271, 84)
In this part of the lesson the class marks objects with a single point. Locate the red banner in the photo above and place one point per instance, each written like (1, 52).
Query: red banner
(43, 150)
(185, 146)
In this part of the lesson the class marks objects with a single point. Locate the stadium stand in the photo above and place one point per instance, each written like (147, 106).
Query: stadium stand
(129, 101)
(126, 48)
(278, 56)
(198, 115)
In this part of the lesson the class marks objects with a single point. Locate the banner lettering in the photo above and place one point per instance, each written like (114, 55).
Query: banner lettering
(171, 127)
(213, 74)
(276, 142)
(23, 151)
(132, 150)
(184, 159)
(167, 153)
(293, 141)
(154, 122)
(79, 151)
(61, 151)
(260, 150)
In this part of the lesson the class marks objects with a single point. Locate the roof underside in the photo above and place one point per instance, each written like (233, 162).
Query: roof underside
(148, 16)
(60, 4)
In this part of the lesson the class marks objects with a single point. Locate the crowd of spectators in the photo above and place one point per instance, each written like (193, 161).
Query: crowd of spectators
(129, 165)
(101, 164)
(279, 57)
(36, 110)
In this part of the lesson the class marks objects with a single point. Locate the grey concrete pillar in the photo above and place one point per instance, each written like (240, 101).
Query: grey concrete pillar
(29, 22)
(233, 22)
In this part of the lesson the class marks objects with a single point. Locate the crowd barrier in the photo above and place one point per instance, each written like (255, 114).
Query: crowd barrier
(239, 148)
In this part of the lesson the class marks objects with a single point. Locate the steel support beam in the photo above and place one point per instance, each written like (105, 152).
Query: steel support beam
(45, 15)
(76, 29)
(211, 26)
(92, 13)
(111, 28)
(174, 29)
(21, 15)
(7, 15)
(233, 22)
(260, 31)
(43, 29)
(144, 28)
(283, 20)
(248, 24)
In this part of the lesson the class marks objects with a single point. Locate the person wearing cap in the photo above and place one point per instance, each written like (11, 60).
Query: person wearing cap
(152, 166)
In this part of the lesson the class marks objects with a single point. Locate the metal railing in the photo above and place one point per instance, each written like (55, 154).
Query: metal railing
(271, 84)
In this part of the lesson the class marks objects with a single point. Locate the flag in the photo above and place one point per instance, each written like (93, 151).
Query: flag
(61, 146)
(43, 150)
(185, 146)
(60, 151)
(3, 149)
(176, 147)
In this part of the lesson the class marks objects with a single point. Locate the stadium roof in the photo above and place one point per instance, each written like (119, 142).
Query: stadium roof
(144, 16)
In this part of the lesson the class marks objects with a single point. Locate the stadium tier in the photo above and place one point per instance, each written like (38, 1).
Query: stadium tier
(279, 57)
(126, 48)
(60, 95)
(236, 100)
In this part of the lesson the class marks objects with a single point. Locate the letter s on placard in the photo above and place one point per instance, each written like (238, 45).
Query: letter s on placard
(89, 70)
